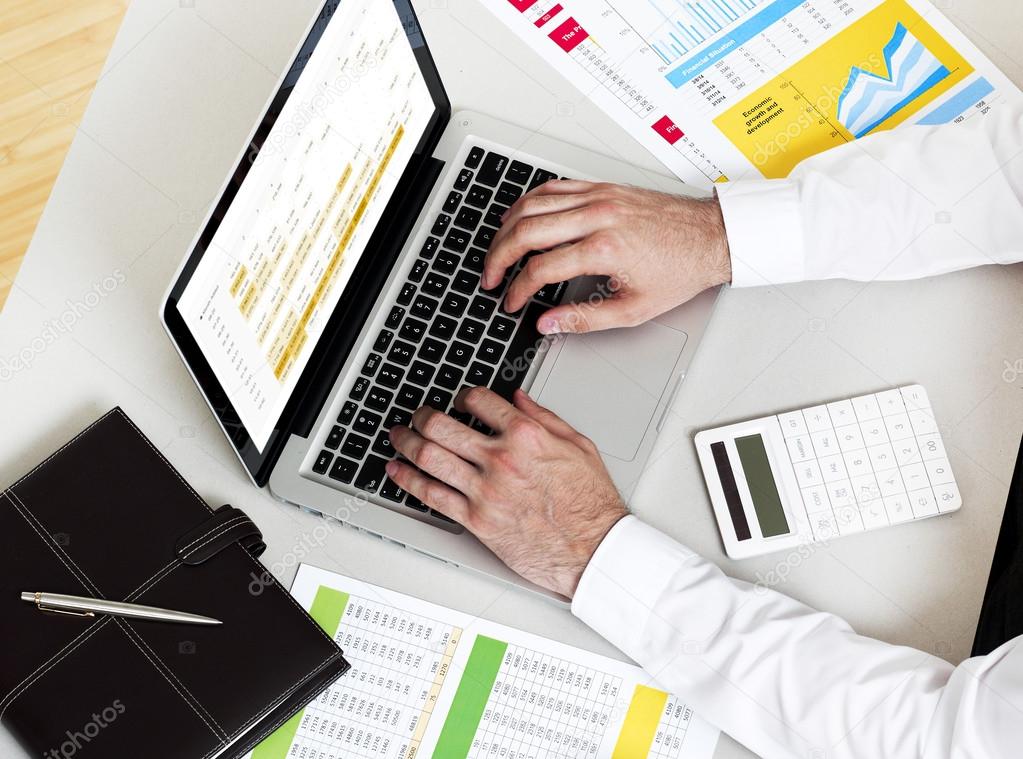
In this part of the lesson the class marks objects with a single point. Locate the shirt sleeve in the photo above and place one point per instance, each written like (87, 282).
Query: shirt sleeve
(786, 680)
(907, 203)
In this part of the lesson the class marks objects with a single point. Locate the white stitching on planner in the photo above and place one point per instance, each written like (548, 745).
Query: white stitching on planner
(49, 543)
(164, 676)
(241, 518)
(225, 528)
(133, 633)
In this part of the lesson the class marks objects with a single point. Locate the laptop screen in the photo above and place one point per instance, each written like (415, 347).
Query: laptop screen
(284, 253)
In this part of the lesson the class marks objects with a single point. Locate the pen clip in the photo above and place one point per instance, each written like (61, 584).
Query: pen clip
(49, 610)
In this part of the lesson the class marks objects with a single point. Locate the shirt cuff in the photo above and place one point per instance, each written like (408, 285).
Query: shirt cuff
(765, 231)
(624, 580)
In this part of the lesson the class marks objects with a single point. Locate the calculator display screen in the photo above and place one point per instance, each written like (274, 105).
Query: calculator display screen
(762, 486)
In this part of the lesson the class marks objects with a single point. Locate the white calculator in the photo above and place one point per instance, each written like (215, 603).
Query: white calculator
(826, 471)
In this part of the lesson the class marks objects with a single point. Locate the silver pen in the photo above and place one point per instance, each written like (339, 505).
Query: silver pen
(79, 606)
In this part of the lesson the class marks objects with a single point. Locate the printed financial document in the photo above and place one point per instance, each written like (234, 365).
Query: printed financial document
(427, 681)
(729, 89)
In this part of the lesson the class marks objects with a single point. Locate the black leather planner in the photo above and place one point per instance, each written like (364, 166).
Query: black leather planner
(108, 517)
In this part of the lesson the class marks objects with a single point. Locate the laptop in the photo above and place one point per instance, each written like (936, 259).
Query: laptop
(334, 286)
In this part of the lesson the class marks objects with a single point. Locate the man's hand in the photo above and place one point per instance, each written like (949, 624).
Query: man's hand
(660, 250)
(536, 493)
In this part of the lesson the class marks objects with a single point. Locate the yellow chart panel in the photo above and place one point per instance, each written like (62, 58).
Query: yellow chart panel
(872, 76)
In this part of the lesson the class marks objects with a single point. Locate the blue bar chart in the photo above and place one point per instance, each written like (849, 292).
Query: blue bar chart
(689, 24)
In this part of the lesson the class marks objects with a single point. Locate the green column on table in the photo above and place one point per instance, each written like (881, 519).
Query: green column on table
(471, 698)
(328, 608)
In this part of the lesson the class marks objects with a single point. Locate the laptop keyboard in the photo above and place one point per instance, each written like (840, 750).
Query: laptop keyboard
(442, 332)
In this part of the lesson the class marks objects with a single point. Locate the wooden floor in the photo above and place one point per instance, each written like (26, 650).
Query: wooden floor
(51, 53)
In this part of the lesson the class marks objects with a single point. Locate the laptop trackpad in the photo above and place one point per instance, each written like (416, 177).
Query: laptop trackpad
(607, 385)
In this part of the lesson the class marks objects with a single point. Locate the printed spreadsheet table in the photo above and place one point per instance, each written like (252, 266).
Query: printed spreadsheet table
(430, 681)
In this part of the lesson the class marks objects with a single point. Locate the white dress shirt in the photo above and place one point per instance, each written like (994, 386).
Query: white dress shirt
(779, 677)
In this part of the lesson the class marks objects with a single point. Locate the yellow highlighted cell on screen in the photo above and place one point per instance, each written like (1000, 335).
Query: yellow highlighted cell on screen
(641, 723)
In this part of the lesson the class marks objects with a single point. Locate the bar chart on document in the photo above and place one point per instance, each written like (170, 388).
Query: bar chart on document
(427, 681)
(722, 89)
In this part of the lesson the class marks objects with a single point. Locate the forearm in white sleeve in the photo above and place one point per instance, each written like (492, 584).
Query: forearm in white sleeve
(907, 203)
(786, 680)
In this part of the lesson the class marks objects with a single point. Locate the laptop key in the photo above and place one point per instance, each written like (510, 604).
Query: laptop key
(371, 365)
(397, 418)
(392, 491)
(474, 260)
(453, 201)
(449, 377)
(334, 438)
(442, 517)
(424, 308)
(551, 294)
(379, 400)
(541, 177)
(479, 374)
(383, 446)
(421, 373)
(441, 225)
(435, 284)
(502, 329)
(412, 330)
(471, 331)
(355, 446)
(482, 308)
(414, 503)
(508, 193)
(438, 399)
(484, 237)
(492, 170)
(454, 305)
(408, 292)
(522, 347)
(394, 318)
(419, 269)
(367, 423)
(466, 282)
(459, 353)
(519, 172)
(490, 351)
(344, 470)
(447, 262)
(323, 462)
(468, 218)
(390, 376)
(457, 240)
(479, 197)
(372, 474)
(443, 328)
(465, 178)
(476, 154)
(494, 215)
(402, 353)
(432, 351)
(429, 248)
(460, 416)
(409, 397)
(383, 340)
(348, 411)
(359, 389)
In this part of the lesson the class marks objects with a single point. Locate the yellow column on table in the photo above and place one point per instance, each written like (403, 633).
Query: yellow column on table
(641, 723)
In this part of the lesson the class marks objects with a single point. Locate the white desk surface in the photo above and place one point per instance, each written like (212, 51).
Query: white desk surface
(185, 82)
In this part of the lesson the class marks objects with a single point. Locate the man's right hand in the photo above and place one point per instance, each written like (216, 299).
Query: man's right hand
(659, 251)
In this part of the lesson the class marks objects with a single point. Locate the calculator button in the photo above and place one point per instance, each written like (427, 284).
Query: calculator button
(939, 471)
(898, 508)
(874, 432)
(866, 408)
(849, 438)
(915, 477)
(841, 413)
(923, 503)
(890, 482)
(948, 497)
(898, 426)
(865, 489)
(906, 452)
(824, 443)
(923, 422)
(823, 526)
(816, 500)
(792, 424)
(915, 398)
(849, 521)
(874, 515)
(881, 456)
(799, 449)
(840, 494)
(858, 463)
(808, 473)
(817, 418)
(833, 468)
(931, 447)
(890, 402)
